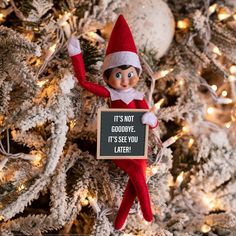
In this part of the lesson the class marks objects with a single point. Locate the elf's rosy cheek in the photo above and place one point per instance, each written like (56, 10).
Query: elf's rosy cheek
(133, 81)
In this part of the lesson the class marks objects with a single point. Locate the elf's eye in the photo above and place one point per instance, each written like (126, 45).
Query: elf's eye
(130, 74)
(118, 75)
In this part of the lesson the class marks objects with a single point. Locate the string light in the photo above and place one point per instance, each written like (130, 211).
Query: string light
(181, 82)
(1, 17)
(224, 93)
(72, 124)
(232, 69)
(51, 50)
(223, 13)
(210, 110)
(150, 171)
(84, 202)
(154, 170)
(216, 50)
(94, 36)
(179, 179)
(214, 87)
(37, 159)
(234, 16)
(183, 24)
(227, 125)
(1, 120)
(172, 139)
(205, 228)
(185, 129)
(1, 218)
(29, 35)
(62, 22)
(190, 143)
(162, 73)
(93, 203)
(159, 103)
(42, 82)
(210, 202)
(62, 19)
(212, 9)
(21, 187)
(38, 62)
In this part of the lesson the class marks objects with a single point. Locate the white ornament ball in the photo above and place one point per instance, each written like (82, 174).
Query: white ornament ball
(152, 24)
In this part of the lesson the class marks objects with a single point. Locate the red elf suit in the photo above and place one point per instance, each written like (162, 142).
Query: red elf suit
(121, 50)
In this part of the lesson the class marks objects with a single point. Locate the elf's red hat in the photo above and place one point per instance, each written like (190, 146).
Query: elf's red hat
(121, 49)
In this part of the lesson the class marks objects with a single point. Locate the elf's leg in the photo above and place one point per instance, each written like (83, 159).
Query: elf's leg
(136, 171)
(127, 202)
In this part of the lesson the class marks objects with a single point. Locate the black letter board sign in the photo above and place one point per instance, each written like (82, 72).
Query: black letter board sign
(121, 134)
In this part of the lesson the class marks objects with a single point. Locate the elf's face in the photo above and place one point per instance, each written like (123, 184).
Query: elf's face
(123, 79)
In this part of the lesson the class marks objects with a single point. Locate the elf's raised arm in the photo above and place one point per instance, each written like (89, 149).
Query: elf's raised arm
(78, 64)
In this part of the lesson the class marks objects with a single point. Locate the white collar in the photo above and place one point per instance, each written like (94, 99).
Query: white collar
(126, 95)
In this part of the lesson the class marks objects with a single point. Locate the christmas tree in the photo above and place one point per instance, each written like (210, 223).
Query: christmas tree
(51, 180)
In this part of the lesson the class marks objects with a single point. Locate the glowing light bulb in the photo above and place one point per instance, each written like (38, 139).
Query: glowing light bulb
(212, 8)
(21, 187)
(186, 129)
(223, 13)
(224, 93)
(53, 48)
(84, 202)
(181, 82)
(72, 124)
(159, 103)
(1, 16)
(42, 82)
(216, 50)
(13, 134)
(214, 87)
(37, 159)
(154, 170)
(227, 125)
(234, 16)
(163, 73)
(180, 179)
(210, 202)
(38, 62)
(1, 218)
(183, 24)
(175, 138)
(190, 143)
(210, 110)
(68, 14)
(232, 69)
(205, 228)
(172, 139)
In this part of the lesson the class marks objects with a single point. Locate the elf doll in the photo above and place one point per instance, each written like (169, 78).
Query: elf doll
(121, 70)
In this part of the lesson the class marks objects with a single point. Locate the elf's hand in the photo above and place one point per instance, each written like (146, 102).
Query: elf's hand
(149, 118)
(73, 46)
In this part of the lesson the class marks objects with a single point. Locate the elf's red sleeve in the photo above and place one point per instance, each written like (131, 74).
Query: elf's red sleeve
(142, 104)
(78, 64)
